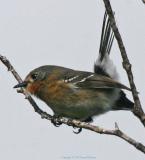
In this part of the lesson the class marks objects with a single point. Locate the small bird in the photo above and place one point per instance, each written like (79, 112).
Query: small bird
(80, 94)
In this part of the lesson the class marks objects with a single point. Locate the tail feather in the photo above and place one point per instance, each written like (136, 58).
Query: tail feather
(104, 64)
(123, 103)
(107, 38)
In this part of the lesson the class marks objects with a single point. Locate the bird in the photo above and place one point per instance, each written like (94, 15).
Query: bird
(81, 95)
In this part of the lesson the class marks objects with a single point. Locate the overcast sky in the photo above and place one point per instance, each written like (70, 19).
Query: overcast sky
(66, 33)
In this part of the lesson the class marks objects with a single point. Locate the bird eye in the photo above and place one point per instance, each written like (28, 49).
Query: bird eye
(34, 76)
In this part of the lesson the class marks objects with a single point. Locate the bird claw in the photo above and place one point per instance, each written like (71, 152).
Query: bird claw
(78, 131)
(70, 124)
(55, 121)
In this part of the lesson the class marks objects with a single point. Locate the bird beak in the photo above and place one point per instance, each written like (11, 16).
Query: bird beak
(22, 84)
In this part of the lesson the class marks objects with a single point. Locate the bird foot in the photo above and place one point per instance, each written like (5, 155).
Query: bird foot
(79, 130)
(55, 121)
(71, 124)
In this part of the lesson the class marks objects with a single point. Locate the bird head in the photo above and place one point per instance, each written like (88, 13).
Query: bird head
(38, 78)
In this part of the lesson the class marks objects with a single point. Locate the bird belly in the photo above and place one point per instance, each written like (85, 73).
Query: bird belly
(78, 103)
(81, 107)
(81, 110)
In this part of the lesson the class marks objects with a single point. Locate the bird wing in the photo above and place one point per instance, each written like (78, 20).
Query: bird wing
(88, 80)
(101, 82)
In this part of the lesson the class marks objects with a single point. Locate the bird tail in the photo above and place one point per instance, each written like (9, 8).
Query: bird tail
(104, 64)
(123, 103)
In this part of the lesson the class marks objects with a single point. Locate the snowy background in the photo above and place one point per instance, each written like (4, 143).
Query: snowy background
(67, 33)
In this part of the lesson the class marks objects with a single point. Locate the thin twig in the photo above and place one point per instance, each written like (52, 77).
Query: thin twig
(116, 132)
(7, 63)
(138, 111)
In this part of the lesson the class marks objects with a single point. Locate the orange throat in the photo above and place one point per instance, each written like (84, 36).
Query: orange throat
(33, 88)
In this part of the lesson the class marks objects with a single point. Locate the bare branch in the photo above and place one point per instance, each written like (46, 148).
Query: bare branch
(138, 111)
(6, 62)
(116, 132)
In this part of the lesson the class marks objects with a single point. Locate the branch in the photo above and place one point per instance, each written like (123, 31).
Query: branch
(138, 111)
(75, 123)
(6, 62)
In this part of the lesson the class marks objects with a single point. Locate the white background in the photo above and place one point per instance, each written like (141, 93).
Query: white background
(67, 33)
